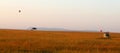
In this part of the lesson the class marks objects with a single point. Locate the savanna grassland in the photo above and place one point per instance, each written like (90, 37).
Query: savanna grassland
(23, 41)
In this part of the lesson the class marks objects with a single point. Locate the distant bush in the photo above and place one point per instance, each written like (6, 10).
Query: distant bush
(34, 28)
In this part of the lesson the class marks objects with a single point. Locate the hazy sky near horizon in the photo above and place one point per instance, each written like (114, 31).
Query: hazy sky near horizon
(69, 14)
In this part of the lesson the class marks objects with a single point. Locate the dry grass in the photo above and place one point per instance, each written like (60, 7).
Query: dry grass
(21, 41)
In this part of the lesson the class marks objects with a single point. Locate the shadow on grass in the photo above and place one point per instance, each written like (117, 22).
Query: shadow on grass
(35, 51)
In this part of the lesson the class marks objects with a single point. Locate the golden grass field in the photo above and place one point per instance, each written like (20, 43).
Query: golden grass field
(25, 41)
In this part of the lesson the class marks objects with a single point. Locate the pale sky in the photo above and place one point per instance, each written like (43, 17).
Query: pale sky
(68, 14)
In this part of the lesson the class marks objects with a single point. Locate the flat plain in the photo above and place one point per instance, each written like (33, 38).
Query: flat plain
(26, 41)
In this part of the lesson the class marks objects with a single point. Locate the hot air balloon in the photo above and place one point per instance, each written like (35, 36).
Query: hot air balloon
(19, 11)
